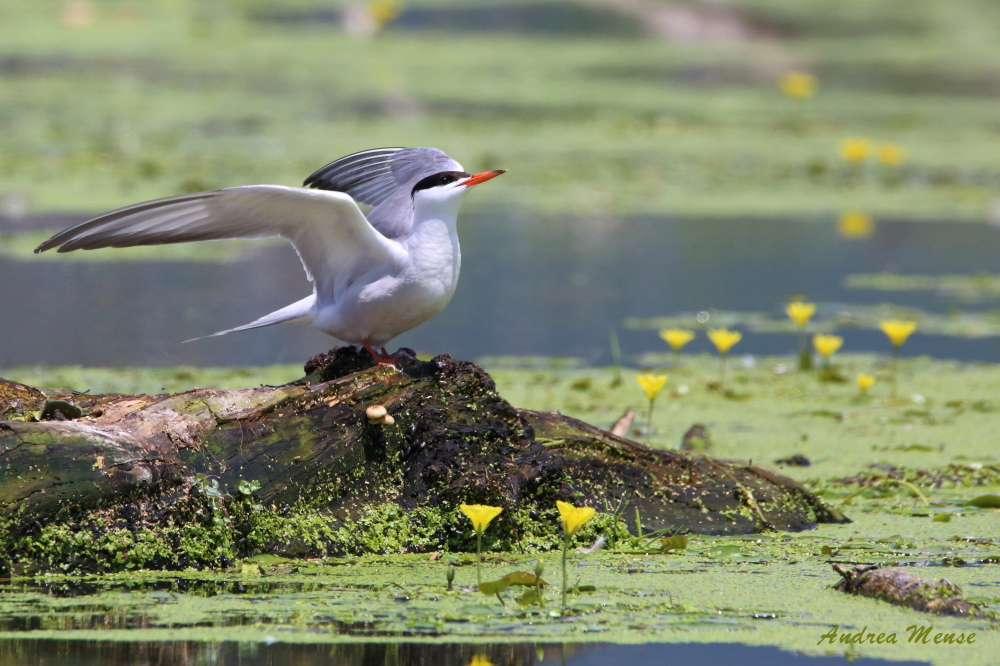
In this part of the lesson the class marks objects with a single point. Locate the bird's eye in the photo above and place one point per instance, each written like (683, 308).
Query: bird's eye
(438, 179)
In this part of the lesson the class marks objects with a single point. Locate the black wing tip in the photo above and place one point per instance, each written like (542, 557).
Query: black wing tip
(318, 178)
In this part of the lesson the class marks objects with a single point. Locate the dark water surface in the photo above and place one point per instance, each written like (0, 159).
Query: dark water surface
(528, 287)
(22, 652)
(551, 19)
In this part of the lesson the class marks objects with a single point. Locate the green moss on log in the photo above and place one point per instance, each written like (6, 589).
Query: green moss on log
(206, 477)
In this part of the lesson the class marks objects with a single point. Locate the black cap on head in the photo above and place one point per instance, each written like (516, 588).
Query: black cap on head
(438, 179)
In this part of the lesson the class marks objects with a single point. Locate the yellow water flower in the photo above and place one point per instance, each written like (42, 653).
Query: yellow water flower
(573, 517)
(854, 150)
(890, 154)
(865, 382)
(826, 345)
(480, 660)
(724, 339)
(798, 85)
(897, 331)
(384, 12)
(480, 515)
(855, 224)
(676, 337)
(652, 384)
(800, 312)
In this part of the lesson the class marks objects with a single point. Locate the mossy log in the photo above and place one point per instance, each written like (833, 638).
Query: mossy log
(453, 439)
(900, 587)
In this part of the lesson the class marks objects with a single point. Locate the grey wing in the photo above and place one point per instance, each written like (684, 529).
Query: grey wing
(328, 230)
(372, 176)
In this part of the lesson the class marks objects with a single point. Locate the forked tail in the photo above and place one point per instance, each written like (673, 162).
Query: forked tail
(299, 311)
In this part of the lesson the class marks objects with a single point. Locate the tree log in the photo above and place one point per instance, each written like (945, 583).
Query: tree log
(453, 439)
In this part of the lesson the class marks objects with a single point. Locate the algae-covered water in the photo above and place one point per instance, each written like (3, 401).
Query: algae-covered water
(760, 590)
(772, 589)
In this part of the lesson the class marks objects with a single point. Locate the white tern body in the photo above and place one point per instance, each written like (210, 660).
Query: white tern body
(373, 278)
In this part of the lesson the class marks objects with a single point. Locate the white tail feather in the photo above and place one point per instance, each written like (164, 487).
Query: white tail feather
(299, 311)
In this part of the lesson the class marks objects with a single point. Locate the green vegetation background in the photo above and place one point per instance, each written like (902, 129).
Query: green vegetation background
(158, 98)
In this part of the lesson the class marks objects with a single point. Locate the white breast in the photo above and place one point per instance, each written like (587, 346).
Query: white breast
(380, 309)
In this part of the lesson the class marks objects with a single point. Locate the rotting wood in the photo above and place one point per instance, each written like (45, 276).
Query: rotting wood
(900, 587)
(452, 439)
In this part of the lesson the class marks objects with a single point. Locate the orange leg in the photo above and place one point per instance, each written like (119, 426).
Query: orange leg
(385, 358)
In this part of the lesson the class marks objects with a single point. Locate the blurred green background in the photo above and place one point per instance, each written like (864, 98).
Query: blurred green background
(595, 106)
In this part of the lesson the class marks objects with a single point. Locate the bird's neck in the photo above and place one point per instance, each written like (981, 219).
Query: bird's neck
(441, 210)
(436, 218)
(433, 243)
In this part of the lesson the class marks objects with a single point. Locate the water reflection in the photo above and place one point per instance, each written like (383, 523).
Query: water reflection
(21, 652)
(528, 287)
(79, 588)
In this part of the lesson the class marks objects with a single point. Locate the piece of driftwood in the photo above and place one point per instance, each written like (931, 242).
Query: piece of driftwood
(900, 587)
(621, 426)
(452, 439)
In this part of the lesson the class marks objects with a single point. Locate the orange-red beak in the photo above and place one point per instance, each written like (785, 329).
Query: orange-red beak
(483, 177)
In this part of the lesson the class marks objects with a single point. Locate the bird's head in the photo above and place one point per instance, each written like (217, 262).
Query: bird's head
(447, 187)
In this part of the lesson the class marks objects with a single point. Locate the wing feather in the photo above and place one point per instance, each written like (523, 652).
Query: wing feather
(327, 229)
(372, 176)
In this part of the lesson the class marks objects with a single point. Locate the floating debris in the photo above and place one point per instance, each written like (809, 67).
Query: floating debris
(904, 589)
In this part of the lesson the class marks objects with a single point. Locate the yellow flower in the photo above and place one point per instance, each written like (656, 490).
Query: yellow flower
(480, 515)
(724, 339)
(652, 384)
(573, 517)
(890, 154)
(676, 337)
(800, 312)
(826, 345)
(865, 382)
(480, 660)
(855, 150)
(897, 331)
(384, 11)
(798, 85)
(855, 225)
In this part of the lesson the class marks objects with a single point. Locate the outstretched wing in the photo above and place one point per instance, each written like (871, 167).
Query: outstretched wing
(328, 230)
(371, 176)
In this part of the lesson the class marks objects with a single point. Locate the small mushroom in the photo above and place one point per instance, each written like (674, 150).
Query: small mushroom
(377, 413)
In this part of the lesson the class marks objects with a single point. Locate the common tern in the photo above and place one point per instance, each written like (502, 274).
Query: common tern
(373, 277)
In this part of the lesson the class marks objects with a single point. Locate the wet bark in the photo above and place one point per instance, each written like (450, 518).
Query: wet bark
(900, 587)
(453, 439)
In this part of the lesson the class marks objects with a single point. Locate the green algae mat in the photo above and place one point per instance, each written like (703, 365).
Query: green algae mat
(916, 474)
